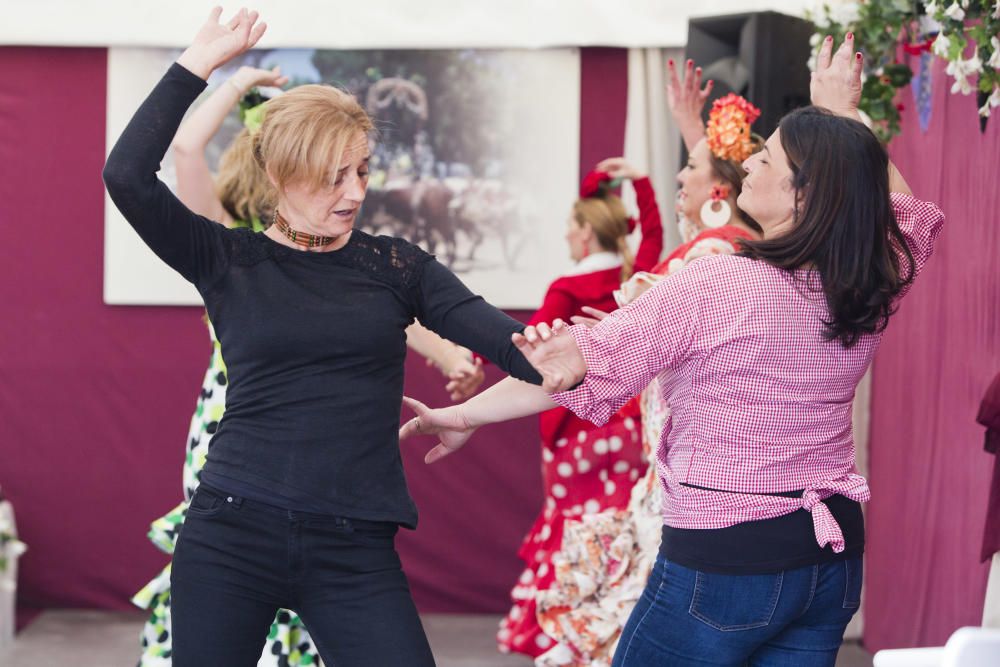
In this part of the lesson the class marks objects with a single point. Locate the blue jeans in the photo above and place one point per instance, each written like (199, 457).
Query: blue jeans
(794, 618)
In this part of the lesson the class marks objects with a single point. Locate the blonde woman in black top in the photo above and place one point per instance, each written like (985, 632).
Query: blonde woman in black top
(303, 489)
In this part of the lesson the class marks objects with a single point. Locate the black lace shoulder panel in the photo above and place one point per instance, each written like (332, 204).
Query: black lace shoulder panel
(389, 259)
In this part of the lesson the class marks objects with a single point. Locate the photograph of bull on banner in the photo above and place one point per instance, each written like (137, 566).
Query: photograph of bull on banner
(475, 160)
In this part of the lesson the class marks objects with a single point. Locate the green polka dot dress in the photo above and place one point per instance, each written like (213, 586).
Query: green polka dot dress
(288, 642)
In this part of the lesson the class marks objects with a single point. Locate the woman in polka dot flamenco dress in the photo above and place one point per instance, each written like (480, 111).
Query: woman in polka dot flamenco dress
(605, 559)
(584, 468)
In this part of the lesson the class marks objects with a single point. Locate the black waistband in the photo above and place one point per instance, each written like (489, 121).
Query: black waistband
(766, 546)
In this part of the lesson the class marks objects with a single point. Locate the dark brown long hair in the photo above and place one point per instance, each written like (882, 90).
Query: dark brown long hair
(843, 222)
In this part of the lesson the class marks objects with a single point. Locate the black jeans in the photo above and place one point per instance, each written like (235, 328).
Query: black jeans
(238, 561)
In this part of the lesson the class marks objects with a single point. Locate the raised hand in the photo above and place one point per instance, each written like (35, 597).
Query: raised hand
(836, 83)
(554, 354)
(251, 77)
(449, 424)
(217, 43)
(686, 98)
(617, 167)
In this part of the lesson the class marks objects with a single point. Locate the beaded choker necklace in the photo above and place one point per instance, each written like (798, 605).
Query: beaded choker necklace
(300, 238)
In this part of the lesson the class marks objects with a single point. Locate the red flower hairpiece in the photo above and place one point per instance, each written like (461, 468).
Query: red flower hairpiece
(719, 192)
(592, 182)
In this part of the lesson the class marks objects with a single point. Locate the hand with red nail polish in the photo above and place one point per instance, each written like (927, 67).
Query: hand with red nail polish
(836, 83)
(686, 98)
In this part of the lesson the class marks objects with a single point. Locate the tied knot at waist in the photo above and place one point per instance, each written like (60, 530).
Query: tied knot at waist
(826, 527)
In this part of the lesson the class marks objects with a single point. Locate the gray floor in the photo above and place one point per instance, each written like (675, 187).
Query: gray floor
(74, 638)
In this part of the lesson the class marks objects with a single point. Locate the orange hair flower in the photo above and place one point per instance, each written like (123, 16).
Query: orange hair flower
(728, 131)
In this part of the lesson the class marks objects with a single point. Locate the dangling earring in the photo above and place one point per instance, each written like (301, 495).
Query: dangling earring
(716, 211)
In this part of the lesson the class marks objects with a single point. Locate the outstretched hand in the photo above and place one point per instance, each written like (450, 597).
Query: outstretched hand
(449, 424)
(252, 77)
(217, 43)
(836, 83)
(554, 354)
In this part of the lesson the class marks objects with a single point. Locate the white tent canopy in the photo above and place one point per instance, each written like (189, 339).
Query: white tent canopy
(336, 24)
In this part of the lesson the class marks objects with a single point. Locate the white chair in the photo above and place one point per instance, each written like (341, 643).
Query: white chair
(968, 647)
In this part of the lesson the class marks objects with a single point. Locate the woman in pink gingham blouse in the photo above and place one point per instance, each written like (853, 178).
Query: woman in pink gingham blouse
(759, 356)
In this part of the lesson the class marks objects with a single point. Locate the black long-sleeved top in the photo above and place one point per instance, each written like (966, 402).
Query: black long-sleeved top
(314, 342)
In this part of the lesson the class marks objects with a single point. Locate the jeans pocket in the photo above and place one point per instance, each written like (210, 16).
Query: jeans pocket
(375, 533)
(853, 577)
(735, 602)
(206, 503)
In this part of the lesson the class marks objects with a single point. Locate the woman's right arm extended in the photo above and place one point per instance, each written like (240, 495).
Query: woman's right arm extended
(508, 399)
(187, 242)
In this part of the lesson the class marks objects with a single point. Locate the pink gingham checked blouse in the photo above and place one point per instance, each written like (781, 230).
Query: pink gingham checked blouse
(760, 400)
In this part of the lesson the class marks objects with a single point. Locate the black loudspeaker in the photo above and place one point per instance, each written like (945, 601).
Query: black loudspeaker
(762, 56)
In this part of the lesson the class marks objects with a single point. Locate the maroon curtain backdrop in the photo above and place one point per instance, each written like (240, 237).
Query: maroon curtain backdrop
(95, 400)
(929, 474)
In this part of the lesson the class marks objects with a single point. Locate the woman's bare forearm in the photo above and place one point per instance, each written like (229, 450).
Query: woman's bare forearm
(508, 399)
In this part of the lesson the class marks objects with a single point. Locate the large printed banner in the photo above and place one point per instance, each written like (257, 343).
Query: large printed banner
(476, 160)
(342, 24)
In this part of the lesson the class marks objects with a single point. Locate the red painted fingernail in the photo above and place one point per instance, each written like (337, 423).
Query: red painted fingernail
(850, 35)
(671, 62)
(858, 56)
(690, 62)
(829, 38)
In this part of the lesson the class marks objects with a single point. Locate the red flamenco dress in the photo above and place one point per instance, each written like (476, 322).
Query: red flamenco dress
(585, 468)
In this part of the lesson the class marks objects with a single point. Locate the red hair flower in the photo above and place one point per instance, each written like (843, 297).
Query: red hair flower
(592, 182)
(719, 192)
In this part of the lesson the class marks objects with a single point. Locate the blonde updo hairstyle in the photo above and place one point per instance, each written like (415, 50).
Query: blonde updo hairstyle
(241, 184)
(305, 132)
(606, 215)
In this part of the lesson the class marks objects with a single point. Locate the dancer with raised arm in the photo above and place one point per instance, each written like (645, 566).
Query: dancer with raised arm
(303, 490)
